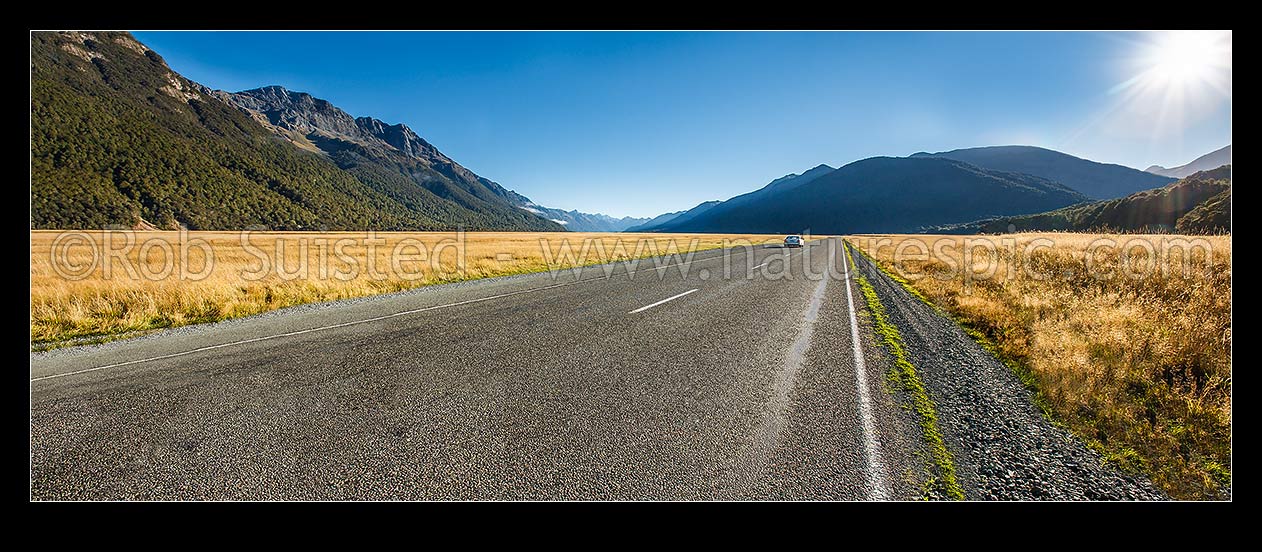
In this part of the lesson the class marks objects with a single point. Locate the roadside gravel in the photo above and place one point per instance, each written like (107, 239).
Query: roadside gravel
(1004, 447)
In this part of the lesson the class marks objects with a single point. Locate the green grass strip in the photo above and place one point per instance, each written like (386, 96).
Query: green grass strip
(905, 375)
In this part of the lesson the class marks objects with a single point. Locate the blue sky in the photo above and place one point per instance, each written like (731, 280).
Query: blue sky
(644, 123)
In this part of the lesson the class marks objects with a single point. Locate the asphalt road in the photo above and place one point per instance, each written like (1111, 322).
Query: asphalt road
(673, 383)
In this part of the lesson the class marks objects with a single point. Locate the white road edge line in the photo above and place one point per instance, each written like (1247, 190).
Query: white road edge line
(875, 467)
(334, 326)
(671, 298)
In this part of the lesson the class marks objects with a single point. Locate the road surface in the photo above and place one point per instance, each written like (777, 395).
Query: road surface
(643, 383)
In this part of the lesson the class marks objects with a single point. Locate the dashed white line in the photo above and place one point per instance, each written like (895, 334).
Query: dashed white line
(671, 298)
(306, 331)
(333, 326)
(875, 467)
(769, 261)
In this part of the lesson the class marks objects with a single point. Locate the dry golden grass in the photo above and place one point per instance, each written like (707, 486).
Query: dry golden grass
(1138, 366)
(140, 295)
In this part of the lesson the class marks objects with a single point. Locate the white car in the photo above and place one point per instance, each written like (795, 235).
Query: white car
(793, 241)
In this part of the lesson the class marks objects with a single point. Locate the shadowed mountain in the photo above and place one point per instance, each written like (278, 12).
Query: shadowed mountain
(782, 184)
(1092, 179)
(1209, 161)
(1198, 204)
(779, 185)
(882, 194)
(118, 138)
(654, 222)
(660, 222)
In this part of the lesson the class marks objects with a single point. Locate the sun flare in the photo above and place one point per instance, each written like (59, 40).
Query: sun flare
(1189, 57)
(1178, 78)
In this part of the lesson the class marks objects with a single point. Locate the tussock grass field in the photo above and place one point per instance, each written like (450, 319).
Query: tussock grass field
(162, 280)
(1137, 363)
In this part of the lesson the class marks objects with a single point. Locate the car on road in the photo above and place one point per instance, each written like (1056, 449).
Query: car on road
(793, 241)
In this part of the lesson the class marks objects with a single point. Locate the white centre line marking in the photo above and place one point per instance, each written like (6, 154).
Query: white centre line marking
(877, 489)
(671, 298)
(786, 259)
(306, 331)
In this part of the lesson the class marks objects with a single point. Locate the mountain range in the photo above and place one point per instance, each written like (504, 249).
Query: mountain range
(890, 194)
(120, 139)
(1198, 204)
(577, 221)
(1094, 180)
(881, 194)
(669, 220)
(651, 224)
(1209, 161)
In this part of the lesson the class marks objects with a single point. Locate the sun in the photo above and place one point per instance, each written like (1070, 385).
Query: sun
(1188, 57)
(1177, 78)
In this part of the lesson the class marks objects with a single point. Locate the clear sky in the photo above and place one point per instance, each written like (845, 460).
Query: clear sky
(644, 123)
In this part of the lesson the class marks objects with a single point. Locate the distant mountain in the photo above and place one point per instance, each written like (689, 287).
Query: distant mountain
(1092, 179)
(118, 138)
(883, 194)
(655, 221)
(1209, 161)
(670, 220)
(661, 223)
(577, 221)
(779, 185)
(1200, 203)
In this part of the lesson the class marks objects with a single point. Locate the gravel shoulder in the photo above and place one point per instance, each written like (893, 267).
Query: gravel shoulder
(1004, 448)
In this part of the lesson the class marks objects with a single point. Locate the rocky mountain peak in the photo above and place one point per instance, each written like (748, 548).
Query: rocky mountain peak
(296, 111)
(308, 115)
(398, 136)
